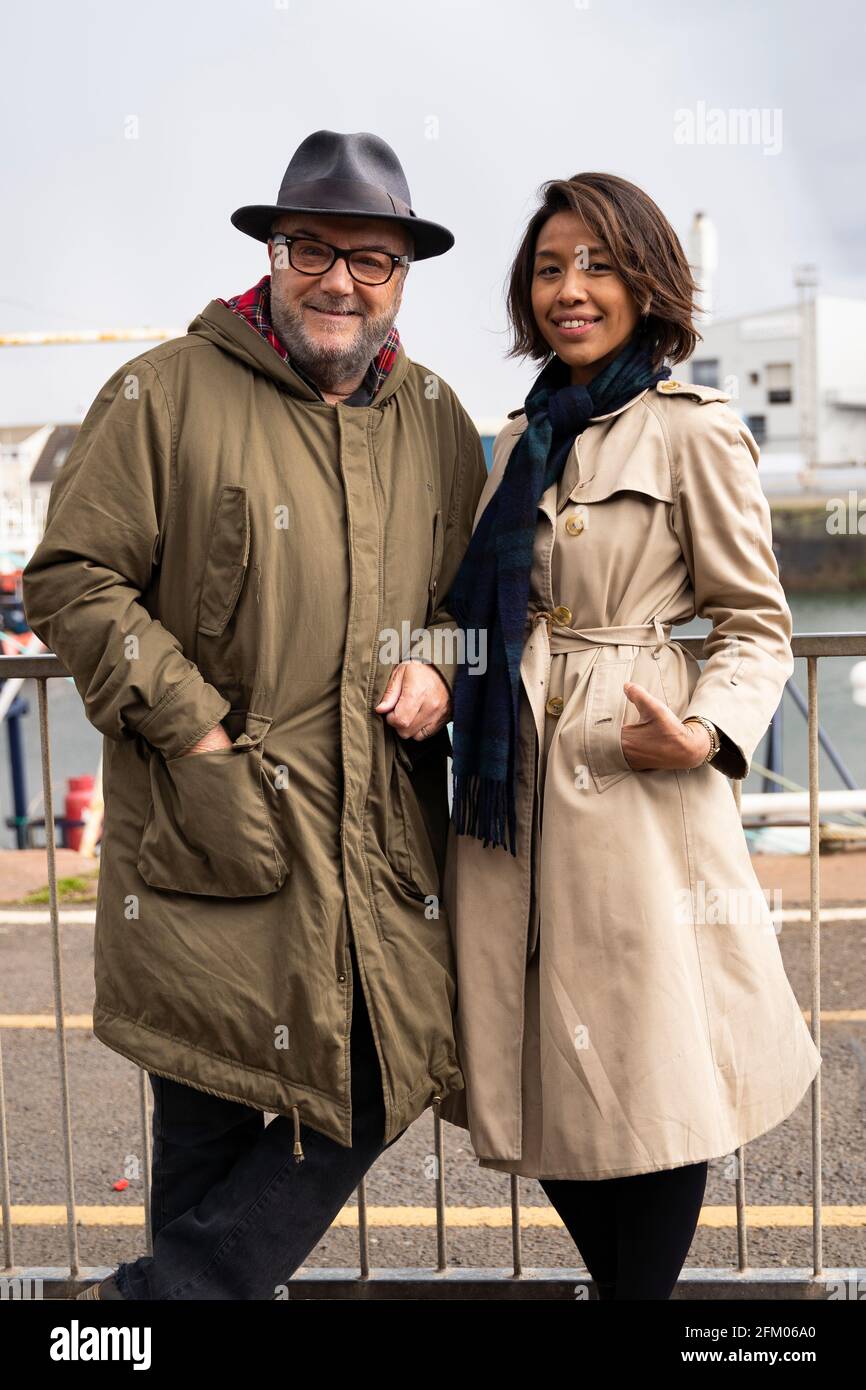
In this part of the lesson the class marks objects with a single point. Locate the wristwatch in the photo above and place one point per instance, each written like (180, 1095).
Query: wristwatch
(715, 741)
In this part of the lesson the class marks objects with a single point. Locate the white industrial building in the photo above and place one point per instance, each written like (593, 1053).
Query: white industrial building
(796, 374)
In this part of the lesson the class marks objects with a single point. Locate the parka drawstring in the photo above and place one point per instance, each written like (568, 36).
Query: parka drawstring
(298, 1149)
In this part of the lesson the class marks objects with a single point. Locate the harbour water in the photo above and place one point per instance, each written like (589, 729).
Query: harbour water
(841, 719)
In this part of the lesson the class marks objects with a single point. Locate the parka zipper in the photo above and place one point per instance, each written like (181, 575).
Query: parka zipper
(298, 1149)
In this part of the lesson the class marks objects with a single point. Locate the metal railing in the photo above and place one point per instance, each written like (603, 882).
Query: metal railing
(444, 1281)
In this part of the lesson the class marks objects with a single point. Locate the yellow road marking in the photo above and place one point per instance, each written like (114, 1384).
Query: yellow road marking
(716, 1218)
(45, 1021)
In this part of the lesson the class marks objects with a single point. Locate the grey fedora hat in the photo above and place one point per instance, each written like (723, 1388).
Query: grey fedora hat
(346, 176)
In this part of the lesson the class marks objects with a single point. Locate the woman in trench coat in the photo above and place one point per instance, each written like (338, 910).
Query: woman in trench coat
(623, 1013)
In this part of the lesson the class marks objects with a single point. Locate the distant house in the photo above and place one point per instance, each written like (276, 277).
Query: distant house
(21, 514)
(52, 458)
(30, 459)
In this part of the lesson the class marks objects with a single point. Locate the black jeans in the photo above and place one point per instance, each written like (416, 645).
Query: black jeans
(232, 1214)
(633, 1233)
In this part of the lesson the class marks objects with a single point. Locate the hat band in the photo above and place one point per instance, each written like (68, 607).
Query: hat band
(341, 195)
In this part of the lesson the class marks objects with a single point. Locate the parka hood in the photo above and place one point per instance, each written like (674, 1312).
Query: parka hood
(230, 332)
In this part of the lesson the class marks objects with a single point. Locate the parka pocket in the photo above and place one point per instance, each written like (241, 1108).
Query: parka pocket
(435, 564)
(208, 830)
(408, 847)
(606, 704)
(227, 558)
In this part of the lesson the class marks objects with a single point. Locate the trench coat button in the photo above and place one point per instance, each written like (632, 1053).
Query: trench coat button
(342, 979)
(668, 385)
(561, 616)
(574, 525)
(554, 705)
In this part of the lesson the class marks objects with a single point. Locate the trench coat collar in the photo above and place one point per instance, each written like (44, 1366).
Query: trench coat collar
(554, 498)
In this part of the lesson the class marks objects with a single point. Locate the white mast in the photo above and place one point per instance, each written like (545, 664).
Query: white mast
(704, 260)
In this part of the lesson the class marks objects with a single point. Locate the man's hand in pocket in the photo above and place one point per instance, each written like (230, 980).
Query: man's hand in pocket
(213, 739)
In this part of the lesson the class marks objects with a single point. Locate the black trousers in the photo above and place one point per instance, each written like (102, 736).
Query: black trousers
(633, 1233)
(232, 1214)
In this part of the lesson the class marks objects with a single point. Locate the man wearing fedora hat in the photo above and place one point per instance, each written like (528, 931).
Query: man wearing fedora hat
(245, 568)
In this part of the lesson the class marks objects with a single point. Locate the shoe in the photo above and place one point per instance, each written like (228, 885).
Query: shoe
(103, 1289)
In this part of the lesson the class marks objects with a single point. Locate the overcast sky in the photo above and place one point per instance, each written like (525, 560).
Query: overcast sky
(102, 231)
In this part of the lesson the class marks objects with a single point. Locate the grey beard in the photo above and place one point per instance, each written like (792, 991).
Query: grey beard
(329, 368)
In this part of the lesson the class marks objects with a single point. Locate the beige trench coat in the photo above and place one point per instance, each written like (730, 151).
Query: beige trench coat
(622, 1005)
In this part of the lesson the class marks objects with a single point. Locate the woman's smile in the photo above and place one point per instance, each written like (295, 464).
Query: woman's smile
(575, 326)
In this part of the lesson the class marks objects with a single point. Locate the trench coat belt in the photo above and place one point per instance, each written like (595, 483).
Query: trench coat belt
(653, 634)
(556, 639)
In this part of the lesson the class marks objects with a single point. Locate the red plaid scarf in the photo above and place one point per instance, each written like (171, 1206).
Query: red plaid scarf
(254, 305)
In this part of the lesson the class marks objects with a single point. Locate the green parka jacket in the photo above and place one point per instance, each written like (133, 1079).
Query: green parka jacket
(221, 544)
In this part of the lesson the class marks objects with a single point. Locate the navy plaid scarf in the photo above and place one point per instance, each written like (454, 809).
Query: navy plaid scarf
(490, 593)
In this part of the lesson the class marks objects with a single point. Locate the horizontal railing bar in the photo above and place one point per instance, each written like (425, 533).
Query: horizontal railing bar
(470, 1283)
(36, 667)
(802, 644)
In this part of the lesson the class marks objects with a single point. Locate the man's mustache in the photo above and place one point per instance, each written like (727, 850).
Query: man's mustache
(334, 308)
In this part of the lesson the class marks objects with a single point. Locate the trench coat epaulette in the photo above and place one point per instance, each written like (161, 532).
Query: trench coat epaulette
(691, 388)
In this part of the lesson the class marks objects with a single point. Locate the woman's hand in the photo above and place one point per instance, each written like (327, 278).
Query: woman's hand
(659, 739)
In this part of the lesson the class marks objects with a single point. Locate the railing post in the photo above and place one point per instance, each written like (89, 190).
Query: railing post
(146, 1148)
(815, 963)
(363, 1231)
(439, 1147)
(57, 964)
(516, 1252)
(5, 1187)
(740, 1183)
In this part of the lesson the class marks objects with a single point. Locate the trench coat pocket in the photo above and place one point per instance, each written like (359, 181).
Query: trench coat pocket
(408, 846)
(605, 713)
(208, 830)
(227, 558)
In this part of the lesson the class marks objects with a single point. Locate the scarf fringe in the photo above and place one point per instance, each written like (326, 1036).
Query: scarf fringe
(481, 808)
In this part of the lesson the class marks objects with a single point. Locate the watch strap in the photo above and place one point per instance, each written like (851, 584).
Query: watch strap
(715, 741)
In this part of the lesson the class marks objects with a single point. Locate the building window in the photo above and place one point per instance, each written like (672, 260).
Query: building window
(754, 378)
(780, 383)
(758, 426)
(705, 371)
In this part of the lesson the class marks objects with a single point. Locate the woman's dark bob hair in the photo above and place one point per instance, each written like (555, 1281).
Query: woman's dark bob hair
(645, 252)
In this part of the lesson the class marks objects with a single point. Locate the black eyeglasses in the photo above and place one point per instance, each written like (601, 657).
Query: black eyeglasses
(315, 257)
